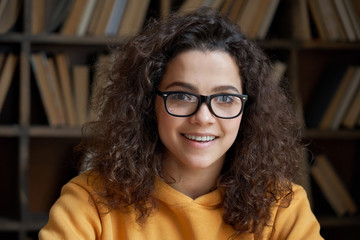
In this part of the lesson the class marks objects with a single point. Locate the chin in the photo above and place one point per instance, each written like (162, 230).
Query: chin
(203, 163)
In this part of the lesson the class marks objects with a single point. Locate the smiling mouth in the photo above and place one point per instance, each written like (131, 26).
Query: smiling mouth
(200, 138)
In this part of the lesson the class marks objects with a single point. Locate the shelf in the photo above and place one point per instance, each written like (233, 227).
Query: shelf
(333, 134)
(333, 221)
(61, 39)
(285, 44)
(74, 40)
(10, 131)
(308, 45)
(37, 221)
(55, 38)
(12, 37)
(323, 45)
(40, 131)
(44, 131)
(9, 225)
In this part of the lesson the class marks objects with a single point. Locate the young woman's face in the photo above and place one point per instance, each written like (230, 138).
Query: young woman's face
(199, 141)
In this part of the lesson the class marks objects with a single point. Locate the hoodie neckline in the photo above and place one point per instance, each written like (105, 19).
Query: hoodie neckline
(165, 193)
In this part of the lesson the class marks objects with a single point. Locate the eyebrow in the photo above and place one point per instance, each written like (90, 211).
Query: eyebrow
(182, 84)
(193, 88)
(226, 87)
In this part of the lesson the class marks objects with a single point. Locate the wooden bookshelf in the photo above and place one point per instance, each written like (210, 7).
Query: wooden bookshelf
(30, 147)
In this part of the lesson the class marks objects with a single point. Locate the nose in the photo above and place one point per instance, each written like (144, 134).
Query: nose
(203, 116)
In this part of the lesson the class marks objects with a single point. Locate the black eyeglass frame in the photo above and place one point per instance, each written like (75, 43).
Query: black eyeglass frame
(202, 99)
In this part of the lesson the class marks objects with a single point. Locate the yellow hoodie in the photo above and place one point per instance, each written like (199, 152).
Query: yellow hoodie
(75, 215)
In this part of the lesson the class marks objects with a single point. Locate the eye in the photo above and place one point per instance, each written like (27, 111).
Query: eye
(228, 99)
(182, 97)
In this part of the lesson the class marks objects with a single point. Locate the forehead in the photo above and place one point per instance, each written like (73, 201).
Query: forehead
(204, 70)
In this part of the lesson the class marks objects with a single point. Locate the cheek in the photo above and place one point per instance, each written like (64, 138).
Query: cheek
(232, 127)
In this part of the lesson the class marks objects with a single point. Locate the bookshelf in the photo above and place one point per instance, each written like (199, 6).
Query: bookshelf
(36, 159)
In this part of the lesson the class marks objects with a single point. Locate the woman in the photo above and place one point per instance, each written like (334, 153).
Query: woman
(193, 141)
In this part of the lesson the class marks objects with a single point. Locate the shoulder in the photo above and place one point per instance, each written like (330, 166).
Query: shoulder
(82, 190)
(87, 180)
(299, 191)
(294, 203)
(294, 219)
(75, 213)
(299, 196)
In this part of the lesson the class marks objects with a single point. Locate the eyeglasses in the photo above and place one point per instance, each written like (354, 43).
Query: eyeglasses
(185, 104)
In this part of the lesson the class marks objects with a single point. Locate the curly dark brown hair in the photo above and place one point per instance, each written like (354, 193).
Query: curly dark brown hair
(123, 144)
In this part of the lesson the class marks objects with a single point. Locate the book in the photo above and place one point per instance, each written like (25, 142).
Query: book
(226, 7)
(345, 19)
(37, 16)
(345, 100)
(54, 85)
(165, 8)
(323, 93)
(9, 13)
(235, 9)
(353, 112)
(318, 19)
(85, 18)
(117, 14)
(216, 4)
(40, 74)
(267, 19)
(259, 19)
(328, 13)
(334, 112)
(71, 24)
(354, 16)
(248, 15)
(255, 17)
(189, 5)
(104, 18)
(59, 15)
(66, 89)
(340, 27)
(355, 5)
(301, 20)
(3, 6)
(95, 17)
(81, 90)
(207, 3)
(332, 186)
(134, 17)
(6, 75)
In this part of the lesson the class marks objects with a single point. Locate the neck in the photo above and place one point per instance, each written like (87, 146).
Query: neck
(193, 183)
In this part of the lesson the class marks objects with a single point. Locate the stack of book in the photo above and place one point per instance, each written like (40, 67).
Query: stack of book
(64, 93)
(8, 63)
(336, 20)
(332, 186)
(254, 17)
(335, 102)
(90, 17)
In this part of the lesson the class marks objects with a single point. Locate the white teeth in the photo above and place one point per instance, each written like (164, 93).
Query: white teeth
(200, 138)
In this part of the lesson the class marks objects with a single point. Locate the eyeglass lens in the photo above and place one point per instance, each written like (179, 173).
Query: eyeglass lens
(185, 104)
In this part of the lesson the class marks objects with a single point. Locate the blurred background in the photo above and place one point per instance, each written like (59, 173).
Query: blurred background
(49, 50)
